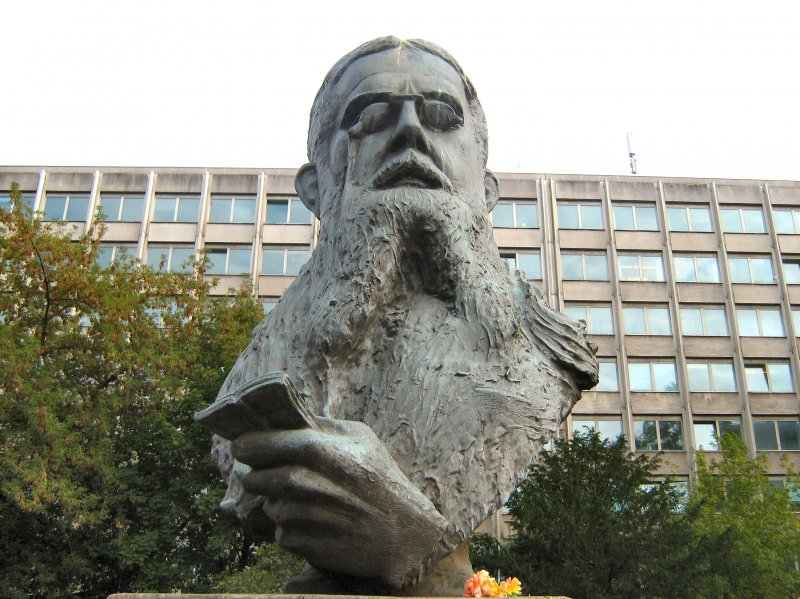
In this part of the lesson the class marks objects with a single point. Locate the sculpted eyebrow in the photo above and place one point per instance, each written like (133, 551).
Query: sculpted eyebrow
(359, 103)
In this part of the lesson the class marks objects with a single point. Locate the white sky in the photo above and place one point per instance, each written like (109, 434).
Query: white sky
(710, 89)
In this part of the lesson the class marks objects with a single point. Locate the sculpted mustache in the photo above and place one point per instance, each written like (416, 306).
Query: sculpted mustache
(409, 166)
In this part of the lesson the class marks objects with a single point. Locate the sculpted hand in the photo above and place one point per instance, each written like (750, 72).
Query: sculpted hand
(339, 500)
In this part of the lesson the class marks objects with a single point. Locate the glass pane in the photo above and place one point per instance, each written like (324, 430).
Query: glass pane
(608, 377)
(698, 377)
(576, 312)
(567, 216)
(722, 376)
(634, 321)
(133, 210)
(740, 270)
(727, 427)
(268, 305)
(780, 378)
(155, 256)
(784, 223)
(188, 208)
(756, 379)
(646, 219)
(623, 218)
(511, 262)
(165, 210)
(644, 433)
(609, 430)
(591, 217)
(753, 221)
(104, 256)
(572, 267)
(684, 269)
(244, 210)
(771, 323)
(700, 219)
(601, 321)
(677, 219)
(639, 375)
(526, 216)
(530, 265)
(796, 321)
(705, 437)
(731, 223)
(691, 322)
(748, 322)
(762, 270)
(789, 434)
(110, 206)
(220, 210)
(216, 262)
(715, 321)
(54, 208)
(658, 321)
(707, 270)
(629, 268)
(764, 433)
(300, 215)
(295, 260)
(583, 427)
(664, 376)
(652, 268)
(277, 212)
(181, 258)
(503, 215)
(239, 261)
(671, 433)
(77, 209)
(596, 268)
(791, 272)
(272, 263)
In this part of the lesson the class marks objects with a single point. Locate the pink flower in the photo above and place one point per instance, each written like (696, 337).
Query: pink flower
(481, 584)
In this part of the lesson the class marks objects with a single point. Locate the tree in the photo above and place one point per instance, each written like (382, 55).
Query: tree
(105, 481)
(589, 523)
(749, 536)
(271, 569)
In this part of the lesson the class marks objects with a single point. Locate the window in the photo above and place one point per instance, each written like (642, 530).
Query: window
(787, 221)
(704, 322)
(584, 267)
(528, 262)
(636, 217)
(751, 270)
(796, 321)
(708, 432)
(652, 376)
(759, 322)
(768, 378)
(647, 320)
(580, 216)
(658, 435)
(170, 258)
(228, 261)
(640, 268)
(597, 318)
(608, 376)
(696, 269)
(609, 428)
(70, 208)
(106, 254)
(777, 435)
(287, 211)
(129, 209)
(791, 271)
(283, 261)
(27, 199)
(226, 209)
(742, 220)
(689, 218)
(268, 304)
(515, 215)
(176, 209)
(711, 376)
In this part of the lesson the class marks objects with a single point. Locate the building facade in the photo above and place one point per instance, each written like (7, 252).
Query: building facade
(690, 288)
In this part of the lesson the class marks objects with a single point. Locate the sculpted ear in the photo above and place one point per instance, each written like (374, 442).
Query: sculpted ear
(492, 190)
(307, 187)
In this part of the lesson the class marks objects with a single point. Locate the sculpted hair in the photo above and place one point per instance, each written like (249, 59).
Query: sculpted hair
(323, 121)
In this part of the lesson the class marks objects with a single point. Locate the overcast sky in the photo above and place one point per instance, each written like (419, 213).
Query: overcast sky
(709, 89)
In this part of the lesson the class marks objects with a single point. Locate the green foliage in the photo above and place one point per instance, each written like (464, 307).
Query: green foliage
(270, 570)
(749, 536)
(106, 483)
(588, 524)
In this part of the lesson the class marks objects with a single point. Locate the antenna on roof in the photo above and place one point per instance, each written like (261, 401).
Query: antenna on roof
(631, 154)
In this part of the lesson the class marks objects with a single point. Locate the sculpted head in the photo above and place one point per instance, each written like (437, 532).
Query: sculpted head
(395, 114)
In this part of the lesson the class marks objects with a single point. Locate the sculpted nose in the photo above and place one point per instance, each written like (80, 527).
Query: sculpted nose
(408, 131)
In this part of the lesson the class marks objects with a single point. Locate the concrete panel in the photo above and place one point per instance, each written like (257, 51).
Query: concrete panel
(598, 403)
(756, 294)
(687, 192)
(739, 194)
(708, 404)
(635, 291)
(233, 184)
(226, 284)
(518, 238)
(672, 462)
(579, 190)
(229, 233)
(788, 195)
(517, 188)
(649, 345)
(281, 185)
(122, 232)
(700, 293)
(773, 404)
(583, 240)
(273, 285)
(27, 181)
(179, 183)
(775, 461)
(656, 403)
(633, 191)
(288, 234)
(639, 240)
(794, 293)
(789, 244)
(81, 182)
(765, 347)
(702, 347)
(606, 344)
(748, 242)
(172, 233)
(123, 183)
(75, 230)
(586, 290)
(694, 242)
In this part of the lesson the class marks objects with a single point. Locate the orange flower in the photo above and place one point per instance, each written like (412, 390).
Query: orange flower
(510, 587)
(481, 584)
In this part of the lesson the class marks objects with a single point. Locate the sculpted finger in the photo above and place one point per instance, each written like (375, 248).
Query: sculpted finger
(267, 449)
